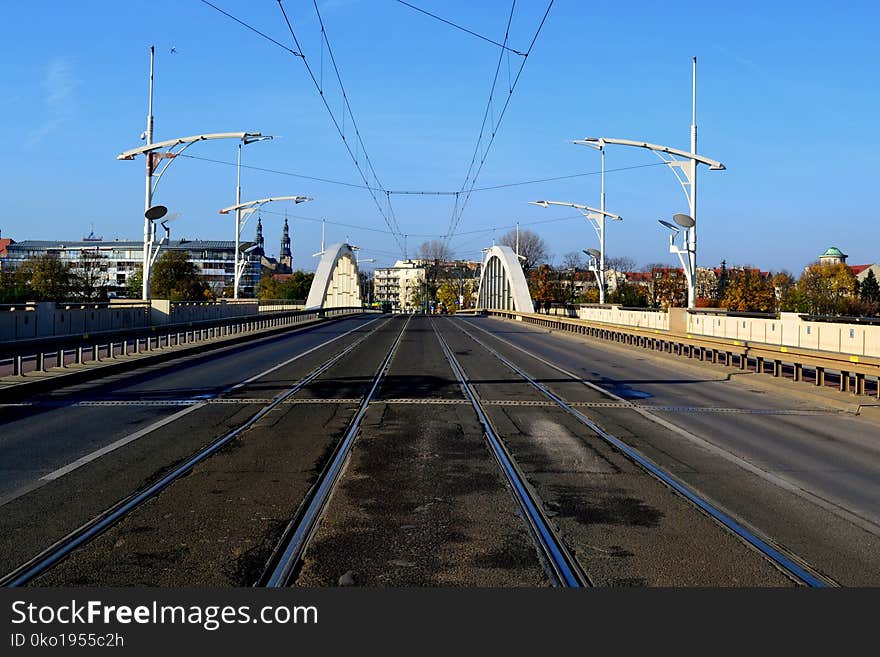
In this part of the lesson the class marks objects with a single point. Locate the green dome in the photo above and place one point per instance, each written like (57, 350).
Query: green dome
(833, 252)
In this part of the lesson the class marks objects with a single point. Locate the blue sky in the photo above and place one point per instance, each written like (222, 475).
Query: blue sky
(787, 99)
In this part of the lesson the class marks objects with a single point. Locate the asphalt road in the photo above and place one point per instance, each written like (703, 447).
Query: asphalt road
(40, 511)
(776, 455)
(56, 429)
(421, 501)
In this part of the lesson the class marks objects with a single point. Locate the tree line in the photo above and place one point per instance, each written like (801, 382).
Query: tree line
(822, 289)
(174, 277)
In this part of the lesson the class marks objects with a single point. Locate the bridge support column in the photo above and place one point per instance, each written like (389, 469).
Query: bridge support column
(860, 384)
(820, 376)
(798, 372)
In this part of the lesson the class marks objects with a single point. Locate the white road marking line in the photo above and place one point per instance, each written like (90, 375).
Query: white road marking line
(70, 467)
(98, 453)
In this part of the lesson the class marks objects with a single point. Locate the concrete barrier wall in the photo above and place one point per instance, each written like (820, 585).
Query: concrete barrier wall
(786, 330)
(650, 319)
(789, 330)
(47, 319)
(180, 312)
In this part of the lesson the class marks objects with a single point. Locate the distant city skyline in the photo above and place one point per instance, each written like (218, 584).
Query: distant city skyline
(786, 99)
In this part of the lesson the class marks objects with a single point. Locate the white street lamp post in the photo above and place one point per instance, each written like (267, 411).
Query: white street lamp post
(243, 212)
(149, 150)
(597, 220)
(238, 224)
(684, 165)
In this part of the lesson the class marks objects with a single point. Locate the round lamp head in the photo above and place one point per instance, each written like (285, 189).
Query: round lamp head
(683, 220)
(156, 212)
(593, 253)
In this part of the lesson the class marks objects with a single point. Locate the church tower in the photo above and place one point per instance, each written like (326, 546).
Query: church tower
(285, 260)
(260, 250)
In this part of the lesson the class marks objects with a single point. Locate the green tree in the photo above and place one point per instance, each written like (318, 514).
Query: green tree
(827, 289)
(870, 289)
(447, 294)
(668, 288)
(747, 291)
(177, 278)
(627, 294)
(134, 284)
(267, 288)
(46, 279)
(296, 286)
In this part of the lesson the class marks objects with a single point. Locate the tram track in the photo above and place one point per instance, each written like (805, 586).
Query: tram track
(559, 562)
(281, 569)
(792, 565)
(100, 523)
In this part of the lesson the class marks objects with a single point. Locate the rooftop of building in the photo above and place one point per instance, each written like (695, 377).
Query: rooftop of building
(833, 252)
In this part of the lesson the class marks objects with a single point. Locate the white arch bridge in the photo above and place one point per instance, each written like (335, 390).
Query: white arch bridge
(503, 285)
(336, 283)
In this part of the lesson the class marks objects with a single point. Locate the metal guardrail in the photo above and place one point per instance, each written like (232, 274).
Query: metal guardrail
(853, 370)
(38, 356)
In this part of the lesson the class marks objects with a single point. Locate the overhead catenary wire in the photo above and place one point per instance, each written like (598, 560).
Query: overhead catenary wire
(319, 86)
(416, 191)
(395, 230)
(464, 29)
(253, 29)
(461, 204)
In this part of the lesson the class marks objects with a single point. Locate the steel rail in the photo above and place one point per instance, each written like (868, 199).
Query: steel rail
(100, 523)
(562, 566)
(790, 564)
(282, 566)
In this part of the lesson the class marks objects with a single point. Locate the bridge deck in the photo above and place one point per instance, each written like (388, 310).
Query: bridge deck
(420, 499)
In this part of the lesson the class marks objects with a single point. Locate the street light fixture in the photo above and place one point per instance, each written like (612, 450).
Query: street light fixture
(243, 212)
(153, 158)
(249, 139)
(687, 249)
(684, 165)
(596, 217)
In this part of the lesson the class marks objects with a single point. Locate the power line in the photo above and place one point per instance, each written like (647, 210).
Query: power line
(416, 192)
(348, 105)
(461, 204)
(458, 207)
(573, 175)
(463, 29)
(253, 29)
(387, 216)
(284, 173)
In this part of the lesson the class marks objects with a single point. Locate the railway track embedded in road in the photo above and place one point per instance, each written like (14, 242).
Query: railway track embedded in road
(560, 563)
(282, 567)
(58, 551)
(796, 568)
